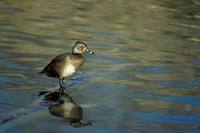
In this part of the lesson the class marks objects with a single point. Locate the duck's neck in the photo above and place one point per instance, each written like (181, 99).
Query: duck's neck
(75, 53)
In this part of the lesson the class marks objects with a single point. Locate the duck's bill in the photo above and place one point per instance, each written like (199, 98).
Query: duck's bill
(89, 51)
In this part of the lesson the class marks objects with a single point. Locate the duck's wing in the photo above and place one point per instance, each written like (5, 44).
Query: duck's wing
(54, 68)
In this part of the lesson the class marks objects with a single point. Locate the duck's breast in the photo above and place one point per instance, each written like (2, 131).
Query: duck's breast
(68, 70)
(77, 60)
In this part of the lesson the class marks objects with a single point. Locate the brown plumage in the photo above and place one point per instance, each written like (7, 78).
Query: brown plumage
(56, 67)
(65, 65)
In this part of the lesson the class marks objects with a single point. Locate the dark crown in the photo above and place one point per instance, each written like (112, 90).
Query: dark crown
(80, 42)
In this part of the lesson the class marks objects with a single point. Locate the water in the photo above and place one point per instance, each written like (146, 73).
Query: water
(144, 76)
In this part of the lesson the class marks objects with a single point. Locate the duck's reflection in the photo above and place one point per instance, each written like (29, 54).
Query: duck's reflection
(65, 107)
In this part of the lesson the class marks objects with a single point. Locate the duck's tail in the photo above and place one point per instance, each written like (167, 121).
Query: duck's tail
(41, 72)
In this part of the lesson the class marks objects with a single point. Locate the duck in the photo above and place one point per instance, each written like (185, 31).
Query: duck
(66, 64)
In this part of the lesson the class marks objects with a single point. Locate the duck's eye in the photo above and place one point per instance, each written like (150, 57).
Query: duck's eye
(81, 47)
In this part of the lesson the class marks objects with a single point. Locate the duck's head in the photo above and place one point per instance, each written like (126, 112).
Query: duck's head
(81, 47)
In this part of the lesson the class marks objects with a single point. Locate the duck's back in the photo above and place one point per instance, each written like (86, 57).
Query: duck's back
(63, 65)
(54, 68)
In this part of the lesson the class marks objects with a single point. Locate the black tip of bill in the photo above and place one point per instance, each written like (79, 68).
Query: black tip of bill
(90, 52)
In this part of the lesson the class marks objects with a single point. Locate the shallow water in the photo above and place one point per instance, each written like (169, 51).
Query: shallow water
(144, 76)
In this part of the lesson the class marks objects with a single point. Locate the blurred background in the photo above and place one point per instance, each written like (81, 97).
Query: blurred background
(144, 76)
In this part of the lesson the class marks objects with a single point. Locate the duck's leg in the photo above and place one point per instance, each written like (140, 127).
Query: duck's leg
(64, 82)
(62, 87)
